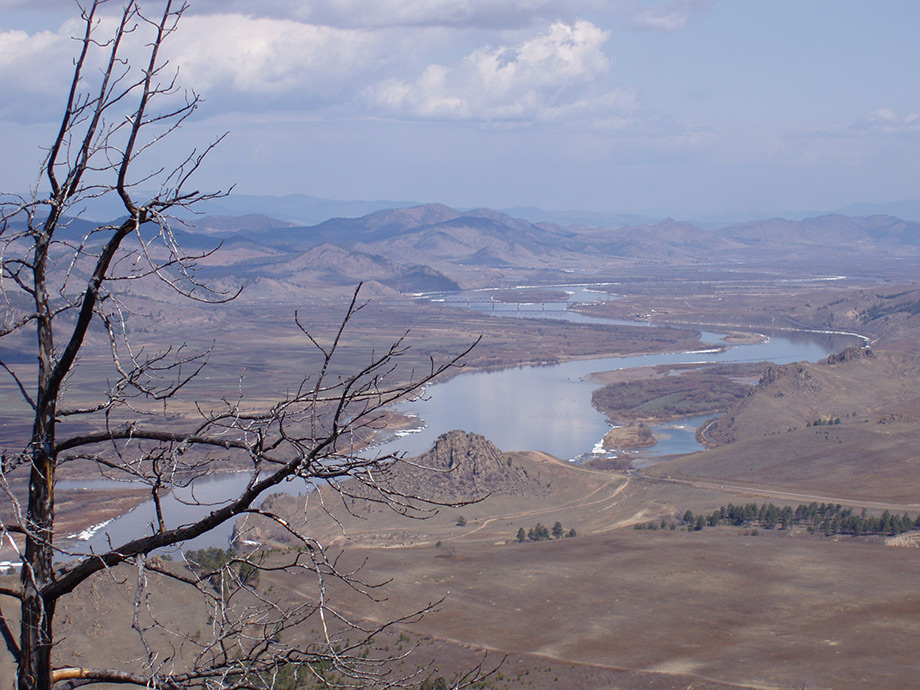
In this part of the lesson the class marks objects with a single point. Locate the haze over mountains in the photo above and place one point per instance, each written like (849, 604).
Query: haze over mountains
(303, 209)
(433, 247)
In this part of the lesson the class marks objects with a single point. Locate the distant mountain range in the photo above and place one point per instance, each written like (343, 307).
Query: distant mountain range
(432, 247)
(300, 209)
(303, 209)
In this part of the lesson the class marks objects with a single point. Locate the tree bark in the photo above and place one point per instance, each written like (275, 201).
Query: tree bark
(36, 636)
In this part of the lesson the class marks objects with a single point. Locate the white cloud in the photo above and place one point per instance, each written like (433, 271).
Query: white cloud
(880, 122)
(391, 13)
(670, 16)
(367, 13)
(37, 4)
(246, 63)
(277, 58)
(538, 78)
(888, 121)
(233, 60)
(35, 71)
(20, 50)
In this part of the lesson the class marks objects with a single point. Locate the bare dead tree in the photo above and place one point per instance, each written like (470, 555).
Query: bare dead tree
(68, 287)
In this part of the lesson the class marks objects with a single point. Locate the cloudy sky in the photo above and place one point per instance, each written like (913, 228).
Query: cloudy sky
(668, 107)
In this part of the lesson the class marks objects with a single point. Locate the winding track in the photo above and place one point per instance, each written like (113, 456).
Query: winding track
(776, 493)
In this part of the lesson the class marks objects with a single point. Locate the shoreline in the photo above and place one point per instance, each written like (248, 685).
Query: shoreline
(406, 423)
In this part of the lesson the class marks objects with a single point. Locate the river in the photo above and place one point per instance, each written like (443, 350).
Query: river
(545, 408)
(549, 408)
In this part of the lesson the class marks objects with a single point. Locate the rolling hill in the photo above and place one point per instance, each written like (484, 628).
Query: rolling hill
(432, 247)
(387, 244)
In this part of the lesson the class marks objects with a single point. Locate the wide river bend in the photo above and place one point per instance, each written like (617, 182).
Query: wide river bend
(545, 408)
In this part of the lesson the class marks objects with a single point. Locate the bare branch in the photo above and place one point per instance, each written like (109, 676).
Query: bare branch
(79, 291)
(19, 384)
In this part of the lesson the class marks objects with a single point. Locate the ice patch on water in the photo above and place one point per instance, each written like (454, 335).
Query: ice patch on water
(88, 533)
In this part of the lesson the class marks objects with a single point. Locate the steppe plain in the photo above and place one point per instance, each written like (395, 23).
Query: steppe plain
(615, 606)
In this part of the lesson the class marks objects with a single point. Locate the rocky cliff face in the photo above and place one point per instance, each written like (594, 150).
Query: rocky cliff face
(850, 354)
(464, 466)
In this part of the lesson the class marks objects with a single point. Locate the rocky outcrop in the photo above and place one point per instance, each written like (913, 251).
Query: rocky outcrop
(796, 376)
(464, 466)
(629, 437)
(460, 467)
(846, 390)
(850, 354)
(252, 531)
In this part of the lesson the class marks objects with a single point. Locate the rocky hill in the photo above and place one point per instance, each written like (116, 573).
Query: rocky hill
(459, 468)
(846, 428)
(891, 315)
(853, 388)
(465, 466)
(334, 263)
(225, 225)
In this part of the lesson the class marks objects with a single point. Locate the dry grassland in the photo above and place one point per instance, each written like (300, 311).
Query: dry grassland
(613, 607)
(641, 609)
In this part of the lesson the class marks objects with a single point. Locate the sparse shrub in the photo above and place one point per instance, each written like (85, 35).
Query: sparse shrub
(439, 683)
(538, 533)
(211, 561)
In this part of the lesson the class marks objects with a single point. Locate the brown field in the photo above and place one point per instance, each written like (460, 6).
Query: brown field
(847, 464)
(664, 609)
(767, 611)
(612, 607)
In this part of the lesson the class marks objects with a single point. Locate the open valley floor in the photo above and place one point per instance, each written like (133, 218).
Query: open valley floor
(628, 591)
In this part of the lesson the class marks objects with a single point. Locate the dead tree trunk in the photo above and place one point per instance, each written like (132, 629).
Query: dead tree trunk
(60, 286)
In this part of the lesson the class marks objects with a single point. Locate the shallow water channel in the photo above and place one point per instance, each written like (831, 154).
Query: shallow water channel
(545, 408)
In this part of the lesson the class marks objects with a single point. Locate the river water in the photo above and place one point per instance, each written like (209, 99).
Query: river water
(549, 408)
(545, 408)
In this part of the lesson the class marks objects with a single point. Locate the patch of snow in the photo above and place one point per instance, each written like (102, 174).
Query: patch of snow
(88, 533)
